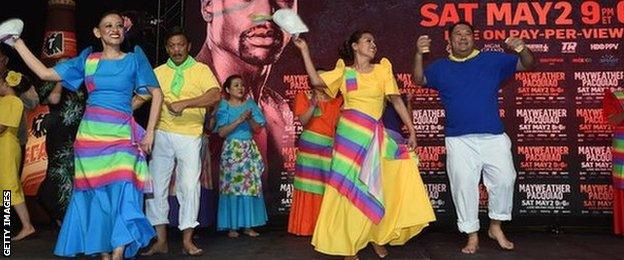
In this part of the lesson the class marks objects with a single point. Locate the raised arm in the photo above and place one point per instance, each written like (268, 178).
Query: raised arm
(315, 79)
(423, 43)
(43, 72)
(526, 60)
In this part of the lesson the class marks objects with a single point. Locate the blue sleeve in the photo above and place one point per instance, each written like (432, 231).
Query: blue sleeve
(507, 63)
(145, 76)
(222, 116)
(256, 114)
(431, 74)
(72, 71)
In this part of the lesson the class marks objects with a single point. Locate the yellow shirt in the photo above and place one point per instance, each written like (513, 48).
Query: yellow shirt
(198, 79)
(372, 87)
(11, 109)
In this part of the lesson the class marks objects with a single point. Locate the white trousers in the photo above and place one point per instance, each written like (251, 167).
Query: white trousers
(467, 157)
(185, 150)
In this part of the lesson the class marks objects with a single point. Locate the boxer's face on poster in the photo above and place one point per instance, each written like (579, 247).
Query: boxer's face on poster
(462, 40)
(110, 30)
(232, 29)
(178, 48)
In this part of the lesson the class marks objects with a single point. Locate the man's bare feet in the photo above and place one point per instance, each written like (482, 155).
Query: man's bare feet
(25, 232)
(496, 232)
(106, 256)
(472, 245)
(192, 250)
(380, 250)
(157, 249)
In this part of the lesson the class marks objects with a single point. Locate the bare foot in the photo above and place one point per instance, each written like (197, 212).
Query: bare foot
(472, 245)
(191, 249)
(250, 232)
(232, 234)
(381, 251)
(495, 232)
(26, 231)
(351, 257)
(157, 249)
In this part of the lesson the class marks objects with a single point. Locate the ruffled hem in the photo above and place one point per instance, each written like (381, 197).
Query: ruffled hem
(100, 220)
(236, 212)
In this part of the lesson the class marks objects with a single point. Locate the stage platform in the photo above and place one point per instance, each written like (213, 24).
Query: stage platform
(437, 242)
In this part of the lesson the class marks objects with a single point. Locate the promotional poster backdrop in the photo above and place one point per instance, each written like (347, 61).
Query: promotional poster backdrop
(561, 144)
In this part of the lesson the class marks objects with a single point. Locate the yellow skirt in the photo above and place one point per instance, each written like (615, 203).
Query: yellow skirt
(10, 158)
(342, 229)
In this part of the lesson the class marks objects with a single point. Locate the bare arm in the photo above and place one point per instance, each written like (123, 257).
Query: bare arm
(138, 101)
(43, 72)
(209, 99)
(422, 43)
(526, 60)
(157, 99)
(226, 130)
(305, 117)
(315, 78)
(55, 96)
(148, 139)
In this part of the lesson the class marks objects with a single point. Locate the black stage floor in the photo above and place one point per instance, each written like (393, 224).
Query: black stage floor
(437, 242)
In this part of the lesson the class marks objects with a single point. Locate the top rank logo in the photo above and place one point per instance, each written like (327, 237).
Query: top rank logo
(568, 47)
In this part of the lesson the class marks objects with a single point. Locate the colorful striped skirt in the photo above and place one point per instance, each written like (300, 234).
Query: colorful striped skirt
(312, 166)
(106, 207)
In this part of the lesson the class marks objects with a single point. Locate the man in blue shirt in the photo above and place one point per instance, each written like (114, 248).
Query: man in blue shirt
(468, 82)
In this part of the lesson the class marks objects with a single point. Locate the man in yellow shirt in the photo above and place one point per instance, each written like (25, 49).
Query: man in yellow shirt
(189, 87)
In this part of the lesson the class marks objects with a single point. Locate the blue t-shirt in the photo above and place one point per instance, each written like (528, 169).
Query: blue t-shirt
(226, 114)
(115, 80)
(469, 91)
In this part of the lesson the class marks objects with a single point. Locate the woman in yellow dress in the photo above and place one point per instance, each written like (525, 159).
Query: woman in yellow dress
(374, 192)
(11, 86)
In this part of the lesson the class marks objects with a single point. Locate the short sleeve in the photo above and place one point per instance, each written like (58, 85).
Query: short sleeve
(71, 71)
(389, 82)
(222, 116)
(145, 76)
(11, 109)
(208, 79)
(508, 64)
(334, 79)
(302, 103)
(431, 75)
(256, 114)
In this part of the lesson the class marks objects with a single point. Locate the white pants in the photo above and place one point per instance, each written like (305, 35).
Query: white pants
(185, 150)
(466, 157)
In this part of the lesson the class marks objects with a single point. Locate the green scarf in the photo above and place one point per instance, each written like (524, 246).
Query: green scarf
(178, 75)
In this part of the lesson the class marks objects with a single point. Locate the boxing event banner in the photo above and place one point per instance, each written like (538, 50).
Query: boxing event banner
(561, 144)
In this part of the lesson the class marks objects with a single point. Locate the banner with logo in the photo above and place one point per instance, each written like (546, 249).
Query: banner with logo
(561, 144)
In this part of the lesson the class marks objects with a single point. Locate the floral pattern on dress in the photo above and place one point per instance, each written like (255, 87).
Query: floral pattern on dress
(241, 168)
